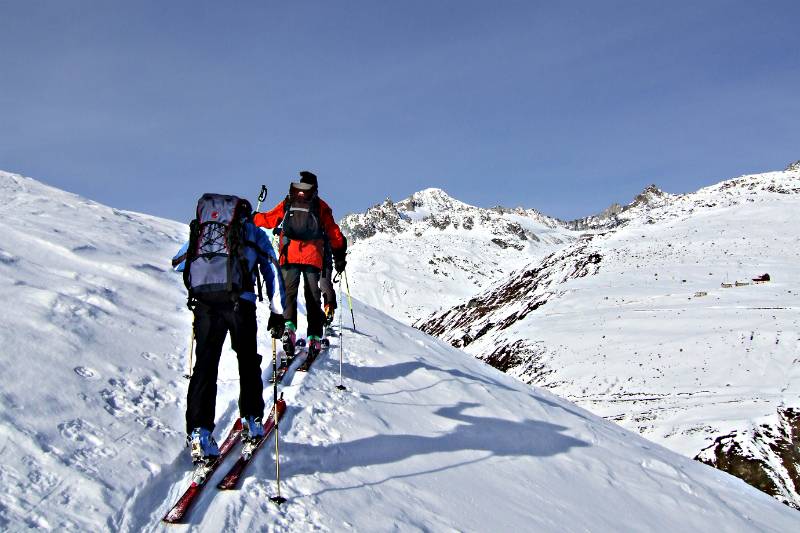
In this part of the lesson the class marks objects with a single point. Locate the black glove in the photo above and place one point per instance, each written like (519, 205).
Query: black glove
(339, 255)
(276, 325)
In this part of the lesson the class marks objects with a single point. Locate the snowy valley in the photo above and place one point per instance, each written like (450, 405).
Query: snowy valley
(652, 319)
(426, 438)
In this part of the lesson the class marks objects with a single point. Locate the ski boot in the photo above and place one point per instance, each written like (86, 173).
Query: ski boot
(252, 433)
(314, 346)
(289, 338)
(328, 324)
(252, 428)
(202, 446)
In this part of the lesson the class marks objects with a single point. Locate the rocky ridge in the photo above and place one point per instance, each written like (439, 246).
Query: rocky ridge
(426, 252)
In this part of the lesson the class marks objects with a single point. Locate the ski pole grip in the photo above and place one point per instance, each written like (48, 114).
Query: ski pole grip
(261, 197)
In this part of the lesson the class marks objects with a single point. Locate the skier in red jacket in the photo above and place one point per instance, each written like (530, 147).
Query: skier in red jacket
(306, 222)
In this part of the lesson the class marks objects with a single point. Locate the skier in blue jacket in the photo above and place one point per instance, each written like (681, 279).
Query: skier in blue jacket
(212, 322)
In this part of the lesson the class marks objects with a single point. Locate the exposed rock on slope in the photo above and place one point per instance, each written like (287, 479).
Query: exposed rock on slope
(616, 215)
(511, 301)
(767, 457)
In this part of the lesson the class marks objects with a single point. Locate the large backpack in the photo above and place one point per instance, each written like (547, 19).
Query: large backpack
(216, 270)
(301, 214)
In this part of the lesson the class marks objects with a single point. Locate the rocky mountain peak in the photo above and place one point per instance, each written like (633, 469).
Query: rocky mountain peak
(434, 209)
(650, 195)
(380, 218)
(430, 201)
(793, 166)
(617, 215)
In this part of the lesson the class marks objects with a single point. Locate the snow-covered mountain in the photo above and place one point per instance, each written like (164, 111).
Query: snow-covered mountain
(655, 323)
(93, 344)
(617, 215)
(427, 252)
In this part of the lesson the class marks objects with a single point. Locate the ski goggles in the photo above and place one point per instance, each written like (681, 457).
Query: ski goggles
(306, 187)
(302, 191)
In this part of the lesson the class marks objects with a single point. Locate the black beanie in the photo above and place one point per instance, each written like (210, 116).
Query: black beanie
(308, 177)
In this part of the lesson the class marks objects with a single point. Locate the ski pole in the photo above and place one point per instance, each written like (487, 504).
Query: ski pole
(261, 197)
(341, 386)
(349, 299)
(188, 374)
(276, 499)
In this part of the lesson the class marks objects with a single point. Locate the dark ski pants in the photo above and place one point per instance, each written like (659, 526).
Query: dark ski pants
(326, 286)
(291, 280)
(211, 325)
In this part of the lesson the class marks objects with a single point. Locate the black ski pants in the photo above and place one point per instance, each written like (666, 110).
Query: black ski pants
(291, 280)
(211, 325)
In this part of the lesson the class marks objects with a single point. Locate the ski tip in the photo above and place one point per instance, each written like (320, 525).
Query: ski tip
(175, 515)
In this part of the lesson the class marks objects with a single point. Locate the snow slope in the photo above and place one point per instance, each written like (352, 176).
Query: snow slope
(635, 325)
(427, 252)
(425, 438)
(92, 339)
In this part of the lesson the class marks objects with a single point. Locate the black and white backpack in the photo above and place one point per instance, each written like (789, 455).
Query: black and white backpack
(301, 215)
(216, 269)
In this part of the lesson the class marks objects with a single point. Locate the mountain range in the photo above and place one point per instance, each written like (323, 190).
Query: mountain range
(646, 314)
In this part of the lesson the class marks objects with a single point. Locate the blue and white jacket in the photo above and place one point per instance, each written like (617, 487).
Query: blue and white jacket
(262, 254)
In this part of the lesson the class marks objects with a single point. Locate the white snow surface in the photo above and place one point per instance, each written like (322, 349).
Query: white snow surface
(429, 251)
(426, 438)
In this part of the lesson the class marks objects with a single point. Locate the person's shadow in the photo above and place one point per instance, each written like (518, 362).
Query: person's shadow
(496, 437)
(377, 374)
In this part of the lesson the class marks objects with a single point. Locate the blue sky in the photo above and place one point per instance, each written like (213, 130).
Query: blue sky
(562, 106)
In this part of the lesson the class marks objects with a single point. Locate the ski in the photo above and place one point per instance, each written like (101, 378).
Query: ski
(200, 475)
(284, 368)
(281, 371)
(310, 358)
(233, 476)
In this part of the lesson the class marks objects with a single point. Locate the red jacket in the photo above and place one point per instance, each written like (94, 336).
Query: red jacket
(304, 252)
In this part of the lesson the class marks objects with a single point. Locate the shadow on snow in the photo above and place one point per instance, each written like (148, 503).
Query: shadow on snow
(496, 437)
